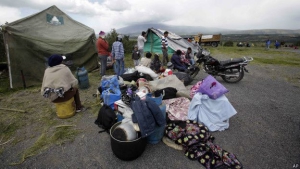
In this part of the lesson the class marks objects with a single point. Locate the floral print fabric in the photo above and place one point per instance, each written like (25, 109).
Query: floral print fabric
(198, 145)
(195, 88)
(177, 108)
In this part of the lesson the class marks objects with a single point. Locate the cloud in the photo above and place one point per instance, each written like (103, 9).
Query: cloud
(83, 7)
(117, 5)
(9, 14)
(108, 14)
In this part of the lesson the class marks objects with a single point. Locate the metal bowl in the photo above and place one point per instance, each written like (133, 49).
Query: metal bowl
(127, 150)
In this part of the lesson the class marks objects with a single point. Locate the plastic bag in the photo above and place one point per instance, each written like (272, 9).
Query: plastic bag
(212, 88)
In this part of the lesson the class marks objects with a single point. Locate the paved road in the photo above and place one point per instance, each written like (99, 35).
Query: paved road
(263, 135)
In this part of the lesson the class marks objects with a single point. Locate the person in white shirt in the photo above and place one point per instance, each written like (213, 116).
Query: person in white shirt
(140, 42)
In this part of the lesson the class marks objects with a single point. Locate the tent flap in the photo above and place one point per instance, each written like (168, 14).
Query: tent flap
(175, 42)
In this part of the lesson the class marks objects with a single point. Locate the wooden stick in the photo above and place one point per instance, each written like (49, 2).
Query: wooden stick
(6, 142)
(22, 111)
(65, 126)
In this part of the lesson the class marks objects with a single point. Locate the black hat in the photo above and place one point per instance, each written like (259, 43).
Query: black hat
(55, 60)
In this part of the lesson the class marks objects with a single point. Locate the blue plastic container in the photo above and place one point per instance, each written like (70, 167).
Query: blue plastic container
(83, 78)
(158, 133)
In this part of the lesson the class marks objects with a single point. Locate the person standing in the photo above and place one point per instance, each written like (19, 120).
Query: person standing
(118, 55)
(103, 53)
(268, 42)
(141, 42)
(277, 44)
(164, 47)
(136, 56)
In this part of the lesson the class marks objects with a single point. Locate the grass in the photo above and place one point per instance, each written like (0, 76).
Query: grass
(260, 55)
(61, 135)
(16, 127)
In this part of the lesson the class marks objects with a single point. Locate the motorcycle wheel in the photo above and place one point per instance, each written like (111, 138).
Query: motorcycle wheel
(233, 79)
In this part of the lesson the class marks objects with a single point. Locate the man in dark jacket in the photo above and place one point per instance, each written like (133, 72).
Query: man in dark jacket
(176, 60)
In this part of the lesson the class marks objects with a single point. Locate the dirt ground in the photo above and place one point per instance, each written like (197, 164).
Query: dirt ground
(264, 133)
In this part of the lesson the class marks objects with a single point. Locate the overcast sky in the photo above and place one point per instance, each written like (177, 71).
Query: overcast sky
(108, 14)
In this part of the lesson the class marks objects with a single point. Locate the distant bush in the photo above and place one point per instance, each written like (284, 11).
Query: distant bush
(297, 43)
(127, 44)
(228, 43)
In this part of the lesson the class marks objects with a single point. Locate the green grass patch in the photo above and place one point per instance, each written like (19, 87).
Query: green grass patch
(278, 61)
(9, 129)
(9, 124)
(61, 135)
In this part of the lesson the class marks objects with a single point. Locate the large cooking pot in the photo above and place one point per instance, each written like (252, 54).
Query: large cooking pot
(125, 132)
(127, 150)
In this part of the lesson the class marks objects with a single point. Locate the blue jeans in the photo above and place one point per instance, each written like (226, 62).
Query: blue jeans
(136, 62)
(103, 61)
(192, 61)
(119, 67)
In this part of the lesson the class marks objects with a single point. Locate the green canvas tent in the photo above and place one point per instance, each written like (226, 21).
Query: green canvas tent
(30, 41)
(175, 42)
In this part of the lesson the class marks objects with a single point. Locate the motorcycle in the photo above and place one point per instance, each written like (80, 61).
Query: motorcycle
(231, 71)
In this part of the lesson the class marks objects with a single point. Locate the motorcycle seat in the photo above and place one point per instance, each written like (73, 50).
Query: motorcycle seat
(231, 61)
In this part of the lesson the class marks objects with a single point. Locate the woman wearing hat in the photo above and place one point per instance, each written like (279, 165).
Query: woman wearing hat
(103, 53)
(59, 84)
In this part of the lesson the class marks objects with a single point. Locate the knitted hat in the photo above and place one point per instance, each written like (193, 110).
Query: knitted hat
(101, 33)
(55, 60)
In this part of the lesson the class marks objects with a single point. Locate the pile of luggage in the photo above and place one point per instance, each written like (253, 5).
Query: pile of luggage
(141, 108)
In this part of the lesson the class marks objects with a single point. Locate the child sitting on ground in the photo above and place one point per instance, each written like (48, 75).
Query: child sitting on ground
(146, 61)
(136, 56)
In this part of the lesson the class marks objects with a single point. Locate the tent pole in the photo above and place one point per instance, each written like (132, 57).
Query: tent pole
(8, 60)
(23, 79)
(151, 42)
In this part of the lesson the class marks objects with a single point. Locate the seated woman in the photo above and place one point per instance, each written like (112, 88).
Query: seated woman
(176, 61)
(59, 84)
(146, 61)
(156, 64)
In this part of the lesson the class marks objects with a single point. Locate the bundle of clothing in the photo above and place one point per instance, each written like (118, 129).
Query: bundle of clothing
(197, 143)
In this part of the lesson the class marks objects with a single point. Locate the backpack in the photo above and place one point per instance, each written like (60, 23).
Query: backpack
(168, 93)
(106, 118)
